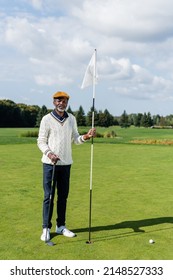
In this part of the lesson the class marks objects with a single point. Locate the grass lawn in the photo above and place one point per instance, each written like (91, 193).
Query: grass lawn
(132, 199)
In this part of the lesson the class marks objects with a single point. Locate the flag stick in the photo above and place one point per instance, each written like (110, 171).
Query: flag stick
(92, 152)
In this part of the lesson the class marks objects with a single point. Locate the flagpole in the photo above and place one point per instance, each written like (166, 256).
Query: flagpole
(92, 149)
(90, 78)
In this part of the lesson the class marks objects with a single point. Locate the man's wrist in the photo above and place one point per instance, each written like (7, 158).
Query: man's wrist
(85, 137)
(47, 152)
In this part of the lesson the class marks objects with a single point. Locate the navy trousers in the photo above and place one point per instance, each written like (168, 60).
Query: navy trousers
(62, 181)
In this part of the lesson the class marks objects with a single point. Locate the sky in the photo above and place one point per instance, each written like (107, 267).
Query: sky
(46, 45)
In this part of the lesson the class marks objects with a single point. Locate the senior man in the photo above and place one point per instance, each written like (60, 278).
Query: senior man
(57, 131)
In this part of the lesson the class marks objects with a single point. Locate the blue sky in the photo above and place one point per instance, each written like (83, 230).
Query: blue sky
(46, 45)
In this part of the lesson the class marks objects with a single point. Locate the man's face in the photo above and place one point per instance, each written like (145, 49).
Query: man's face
(60, 103)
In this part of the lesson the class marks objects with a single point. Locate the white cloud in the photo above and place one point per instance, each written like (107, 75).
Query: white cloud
(52, 43)
(130, 20)
(37, 4)
(48, 80)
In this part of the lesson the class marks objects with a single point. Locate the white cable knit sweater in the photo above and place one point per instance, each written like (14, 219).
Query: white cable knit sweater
(57, 137)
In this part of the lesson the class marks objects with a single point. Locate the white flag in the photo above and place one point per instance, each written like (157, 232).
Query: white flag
(90, 76)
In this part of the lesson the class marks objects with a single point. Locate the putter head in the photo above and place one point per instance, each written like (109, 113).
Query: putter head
(49, 243)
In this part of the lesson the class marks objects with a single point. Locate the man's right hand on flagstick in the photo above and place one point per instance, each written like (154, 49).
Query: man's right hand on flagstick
(91, 133)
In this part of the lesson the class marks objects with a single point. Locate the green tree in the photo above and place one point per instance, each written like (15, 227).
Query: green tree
(124, 120)
(137, 119)
(89, 117)
(149, 120)
(163, 121)
(9, 114)
(146, 120)
(169, 120)
(42, 112)
(28, 114)
(105, 119)
(115, 120)
(80, 117)
(69, 110)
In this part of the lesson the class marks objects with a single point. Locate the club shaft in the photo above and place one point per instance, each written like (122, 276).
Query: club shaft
(50, 199)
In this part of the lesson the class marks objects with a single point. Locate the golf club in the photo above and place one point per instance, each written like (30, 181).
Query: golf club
(51, 197)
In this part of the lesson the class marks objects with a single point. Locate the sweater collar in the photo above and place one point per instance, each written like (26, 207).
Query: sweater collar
(58, 117)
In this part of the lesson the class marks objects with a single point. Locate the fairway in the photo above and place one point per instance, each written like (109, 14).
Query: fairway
(132, 201)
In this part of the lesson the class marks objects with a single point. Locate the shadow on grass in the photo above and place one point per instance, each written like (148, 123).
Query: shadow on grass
(134, 225)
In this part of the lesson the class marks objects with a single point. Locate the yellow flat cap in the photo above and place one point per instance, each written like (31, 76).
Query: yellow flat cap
(61, 94)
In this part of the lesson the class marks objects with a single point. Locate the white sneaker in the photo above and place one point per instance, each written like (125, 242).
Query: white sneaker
(43, 236)
(64, 231)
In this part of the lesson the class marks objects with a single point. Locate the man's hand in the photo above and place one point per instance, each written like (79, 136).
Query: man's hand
(54, 158)
(91, 133)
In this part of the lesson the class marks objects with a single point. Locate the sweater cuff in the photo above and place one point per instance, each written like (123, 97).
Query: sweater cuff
(47, 152)
(82, 138)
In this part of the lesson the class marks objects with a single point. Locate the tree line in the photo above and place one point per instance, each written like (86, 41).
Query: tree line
(21, 115)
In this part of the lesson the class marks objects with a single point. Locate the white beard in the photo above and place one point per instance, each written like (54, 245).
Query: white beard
(60, 109)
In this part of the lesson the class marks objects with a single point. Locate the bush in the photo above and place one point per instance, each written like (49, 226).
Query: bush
(30, 134)
(99, 135)
(109, 134)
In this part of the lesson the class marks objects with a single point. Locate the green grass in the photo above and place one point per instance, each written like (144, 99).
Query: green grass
(132, 199)
(14, 136)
